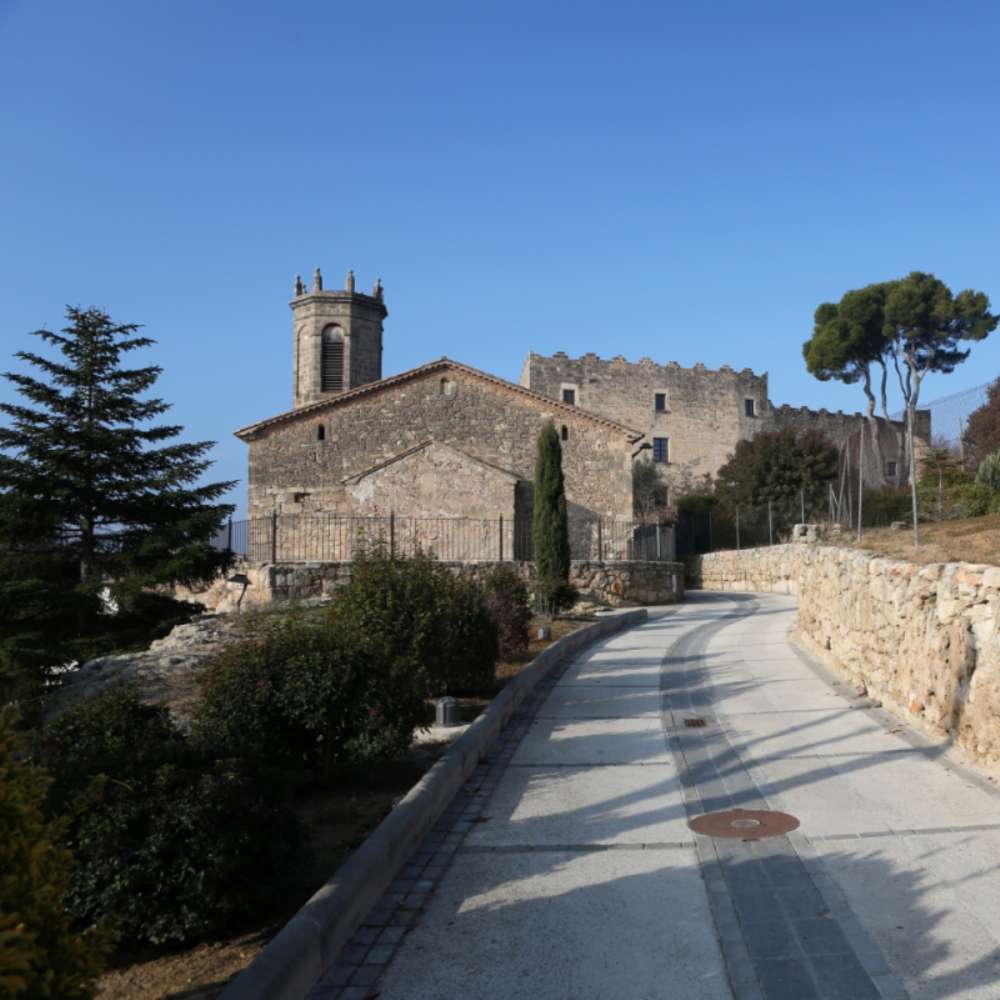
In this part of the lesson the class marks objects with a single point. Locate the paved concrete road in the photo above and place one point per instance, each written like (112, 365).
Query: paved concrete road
(568, 869)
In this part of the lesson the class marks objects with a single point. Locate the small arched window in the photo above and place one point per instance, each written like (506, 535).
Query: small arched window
(565, 433)
(332, 360)
(321, 432)
(447, 387)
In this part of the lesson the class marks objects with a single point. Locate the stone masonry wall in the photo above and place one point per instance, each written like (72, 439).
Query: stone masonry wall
(705, 410)
(294, 471)
(359, 320)
(434, 481)
(705, 413)
(922, 639)
(615, 583)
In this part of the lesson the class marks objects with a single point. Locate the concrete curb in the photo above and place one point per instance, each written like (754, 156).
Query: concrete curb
(290, 965)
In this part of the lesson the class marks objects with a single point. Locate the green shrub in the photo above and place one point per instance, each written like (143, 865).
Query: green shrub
(971, 499)
(297, 696)
(959, 498)
(885, 505)
(508, 603)
(421, 627)
(988, 473)
(175, 854)
(168, 842)
(112, 733)
(40, 957)
(469, 643)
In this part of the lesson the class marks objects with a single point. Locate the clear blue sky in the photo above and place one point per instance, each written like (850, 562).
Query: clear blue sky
(683, 181)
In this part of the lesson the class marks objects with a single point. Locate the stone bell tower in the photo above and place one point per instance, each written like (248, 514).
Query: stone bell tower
(336, 339)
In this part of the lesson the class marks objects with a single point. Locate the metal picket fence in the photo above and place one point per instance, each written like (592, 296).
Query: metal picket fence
(339, 538)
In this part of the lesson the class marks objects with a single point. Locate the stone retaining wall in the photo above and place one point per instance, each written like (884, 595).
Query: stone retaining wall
(619, 584)
(922, 639)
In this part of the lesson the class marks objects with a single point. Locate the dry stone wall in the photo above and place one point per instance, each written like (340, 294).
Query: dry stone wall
(922, 639)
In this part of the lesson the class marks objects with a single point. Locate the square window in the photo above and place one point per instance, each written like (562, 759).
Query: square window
(661, 450)
(890, 469)
(660, 402)
(569, 397)
(748, 407)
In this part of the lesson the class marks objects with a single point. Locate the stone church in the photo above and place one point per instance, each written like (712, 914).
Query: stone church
(447, 440)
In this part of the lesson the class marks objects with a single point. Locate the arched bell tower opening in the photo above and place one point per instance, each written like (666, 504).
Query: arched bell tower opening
(331, 376)
(336, 339)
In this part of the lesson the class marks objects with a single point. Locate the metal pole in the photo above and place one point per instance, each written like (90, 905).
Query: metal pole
(392, 534)
(501, 538)
(861, 474)
(770, 525)
(274, 535)
(802, 501)
(658, 556)
(229, 536)
(737, 529)
(600, 540)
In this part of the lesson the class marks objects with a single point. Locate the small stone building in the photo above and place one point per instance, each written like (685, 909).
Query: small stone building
(440, 441)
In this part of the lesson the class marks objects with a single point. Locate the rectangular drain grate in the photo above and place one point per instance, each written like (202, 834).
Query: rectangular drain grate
(696, 722)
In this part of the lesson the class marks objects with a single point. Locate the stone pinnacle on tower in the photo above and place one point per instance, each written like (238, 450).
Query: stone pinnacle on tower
(300, 289)
(336, 339)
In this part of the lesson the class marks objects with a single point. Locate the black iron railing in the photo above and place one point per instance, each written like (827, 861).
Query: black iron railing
(337, 538)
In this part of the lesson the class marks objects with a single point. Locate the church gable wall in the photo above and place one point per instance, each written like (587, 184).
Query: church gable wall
(434, 482)
(293, 470)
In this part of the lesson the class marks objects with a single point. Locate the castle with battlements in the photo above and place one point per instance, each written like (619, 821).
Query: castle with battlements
(447, 440)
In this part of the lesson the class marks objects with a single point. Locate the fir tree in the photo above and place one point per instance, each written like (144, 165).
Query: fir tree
(95, 492)
(550, 530)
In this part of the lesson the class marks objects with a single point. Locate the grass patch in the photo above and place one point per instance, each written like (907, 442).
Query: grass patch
(974, 540)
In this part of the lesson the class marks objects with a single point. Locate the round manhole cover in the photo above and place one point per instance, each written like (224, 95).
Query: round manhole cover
(748, 824)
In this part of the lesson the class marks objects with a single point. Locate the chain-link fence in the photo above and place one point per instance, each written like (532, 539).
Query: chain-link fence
(752, 525)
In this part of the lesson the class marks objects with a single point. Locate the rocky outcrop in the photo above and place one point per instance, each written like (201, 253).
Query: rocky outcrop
(922, 639)
(166, 673)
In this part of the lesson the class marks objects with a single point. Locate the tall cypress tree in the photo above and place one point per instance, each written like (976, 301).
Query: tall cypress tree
(93, 490)
(550, 530)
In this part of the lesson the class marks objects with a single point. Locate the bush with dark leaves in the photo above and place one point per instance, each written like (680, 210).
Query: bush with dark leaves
(509, 604)
(170, 842)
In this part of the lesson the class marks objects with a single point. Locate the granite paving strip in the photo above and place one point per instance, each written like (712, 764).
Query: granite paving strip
(786, 930)
(363, 960)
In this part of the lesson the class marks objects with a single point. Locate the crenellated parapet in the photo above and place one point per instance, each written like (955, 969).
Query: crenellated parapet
(700, 413)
